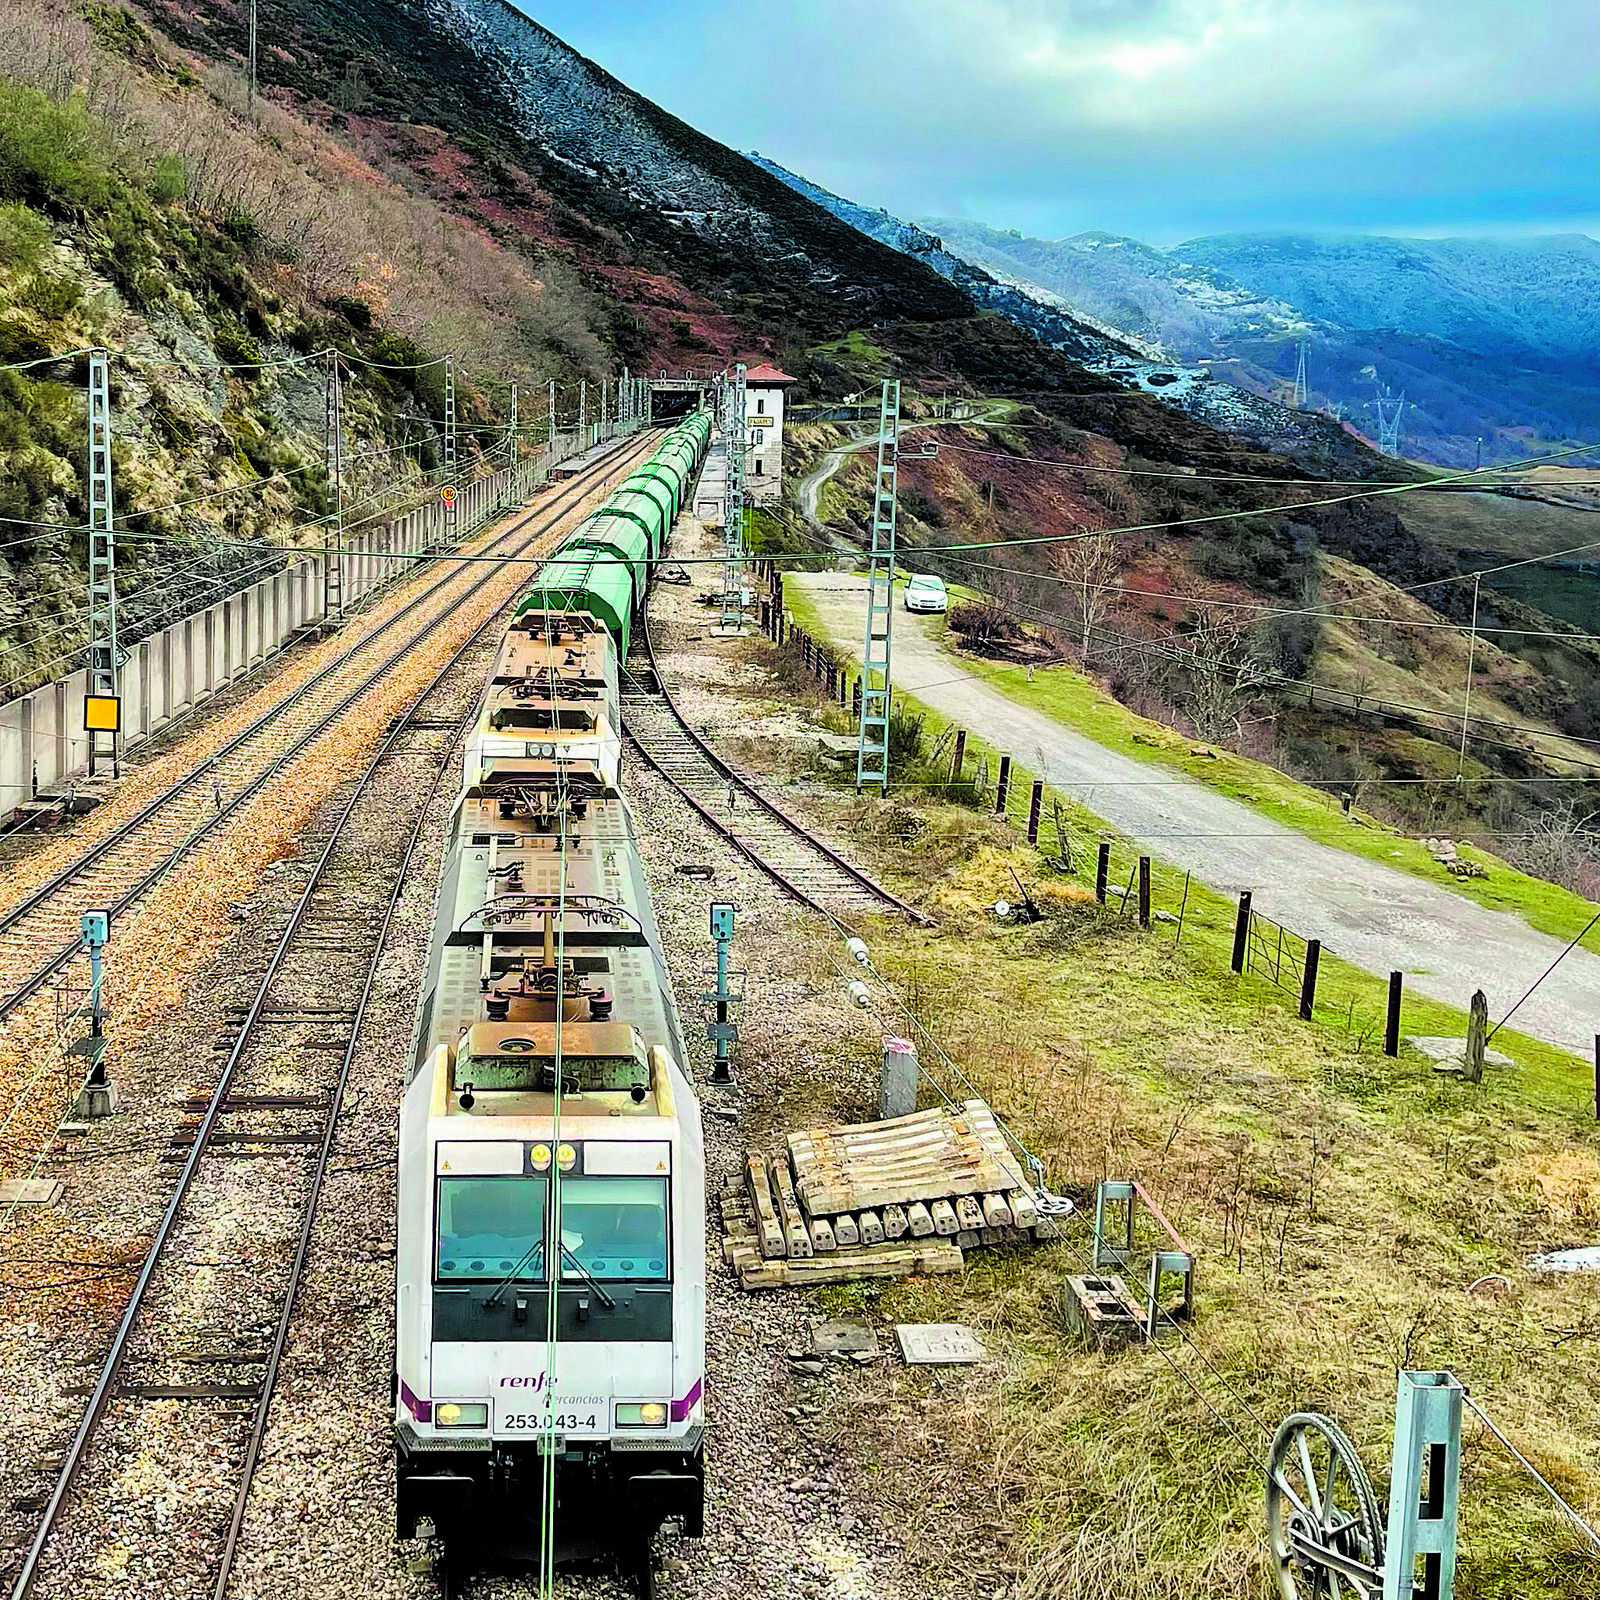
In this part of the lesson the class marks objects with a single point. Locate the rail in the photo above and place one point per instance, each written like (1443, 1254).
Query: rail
(74, 1457)
(732, 775)
(551, 515)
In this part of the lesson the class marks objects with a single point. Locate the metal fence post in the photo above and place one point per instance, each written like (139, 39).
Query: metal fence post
(1102, 871)
(1241, 932)
(1424, 1487)
(1144, 891)
(955, 777)
(1308, 978)
(1002, 788)
(1391, 1025)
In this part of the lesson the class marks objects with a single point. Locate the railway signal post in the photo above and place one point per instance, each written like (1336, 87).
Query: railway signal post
(872, 752)
(722, 1032)
(96, 1098)
(102, 704)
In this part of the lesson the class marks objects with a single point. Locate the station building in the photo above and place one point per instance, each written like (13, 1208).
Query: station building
(765, 388)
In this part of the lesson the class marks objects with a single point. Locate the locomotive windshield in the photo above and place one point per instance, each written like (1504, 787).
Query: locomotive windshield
(613, 1229)
(490, 1227)
(616, 1227)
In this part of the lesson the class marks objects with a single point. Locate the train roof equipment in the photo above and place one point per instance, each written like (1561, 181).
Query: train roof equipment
(582, 582)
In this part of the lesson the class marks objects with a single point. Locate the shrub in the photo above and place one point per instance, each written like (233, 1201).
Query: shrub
(983, 626)
(51, 297)
(234, 344)
(243, 229)
(167, 181)
(23, 236)
(921, 506)
(354, 311)
(50, 154)
(905, 739)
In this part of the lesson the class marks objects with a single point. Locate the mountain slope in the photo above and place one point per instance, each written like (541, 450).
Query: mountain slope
(1486, 339)
(1127, 357)
(1130, 285)
(1059, 325)
(603, 160)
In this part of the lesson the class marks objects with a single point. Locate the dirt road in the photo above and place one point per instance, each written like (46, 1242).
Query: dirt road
(1377, 917)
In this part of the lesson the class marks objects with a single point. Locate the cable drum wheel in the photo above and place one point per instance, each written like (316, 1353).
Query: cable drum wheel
(1324, 1523)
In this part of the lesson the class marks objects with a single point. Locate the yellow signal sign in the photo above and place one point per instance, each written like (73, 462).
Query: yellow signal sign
(102, 713)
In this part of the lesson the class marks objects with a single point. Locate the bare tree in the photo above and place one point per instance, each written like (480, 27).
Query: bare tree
(1090, 566)
(1222, 672)
(1560, 845)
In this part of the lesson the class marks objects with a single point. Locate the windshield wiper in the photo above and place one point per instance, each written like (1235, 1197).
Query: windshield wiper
(587, 1276)
(535, 1249)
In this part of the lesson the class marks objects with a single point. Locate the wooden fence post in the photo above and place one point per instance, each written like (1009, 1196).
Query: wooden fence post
(1308, 978)
(1144, 891)
(1002, 787)
(1035, 800)
(961, 756)
(1102, 870)
(855, 700)
(1063, 846)
(1391, 1023)
(1477, 1038)
(1241, 932)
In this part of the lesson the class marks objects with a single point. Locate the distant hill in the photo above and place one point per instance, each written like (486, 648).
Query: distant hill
(1487, 338)
(1533, 298)
(1066, 325)
(1040, 312)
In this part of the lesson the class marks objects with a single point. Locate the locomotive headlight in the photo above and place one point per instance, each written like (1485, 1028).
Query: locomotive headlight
(566, 1157)
(646, 1414)
(539, 1157)
(462, 1414)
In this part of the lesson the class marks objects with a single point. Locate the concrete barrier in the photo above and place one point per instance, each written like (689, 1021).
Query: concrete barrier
(173, 672)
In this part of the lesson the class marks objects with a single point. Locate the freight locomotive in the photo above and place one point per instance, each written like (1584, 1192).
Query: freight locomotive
(551, 1239)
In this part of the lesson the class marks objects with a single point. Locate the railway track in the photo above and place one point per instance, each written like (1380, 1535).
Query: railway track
(39, 936)
(183, 1394)
(804, 866)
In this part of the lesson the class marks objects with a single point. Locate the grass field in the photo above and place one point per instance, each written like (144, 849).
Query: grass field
(1498, 524)
(1344, 1208)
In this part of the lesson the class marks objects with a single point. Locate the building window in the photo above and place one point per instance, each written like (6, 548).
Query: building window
(761, 405)
(758, 466)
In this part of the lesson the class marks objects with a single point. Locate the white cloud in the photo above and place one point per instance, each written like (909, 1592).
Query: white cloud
(988, 67)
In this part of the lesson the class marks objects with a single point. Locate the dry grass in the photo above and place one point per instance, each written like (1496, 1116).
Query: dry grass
(1344, 1206)
(347, 227)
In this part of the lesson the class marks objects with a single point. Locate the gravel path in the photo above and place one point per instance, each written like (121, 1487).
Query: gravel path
(1377, 917)
(810, 490)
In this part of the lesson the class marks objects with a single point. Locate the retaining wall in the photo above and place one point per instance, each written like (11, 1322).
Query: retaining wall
(171, 673)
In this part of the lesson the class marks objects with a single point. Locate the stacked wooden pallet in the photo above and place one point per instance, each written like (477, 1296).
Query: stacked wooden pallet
(878, 1199)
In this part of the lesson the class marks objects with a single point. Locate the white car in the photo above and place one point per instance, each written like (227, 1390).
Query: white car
(924, 592)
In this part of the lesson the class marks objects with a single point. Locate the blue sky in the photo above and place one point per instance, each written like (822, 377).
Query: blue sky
(1163, 119)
